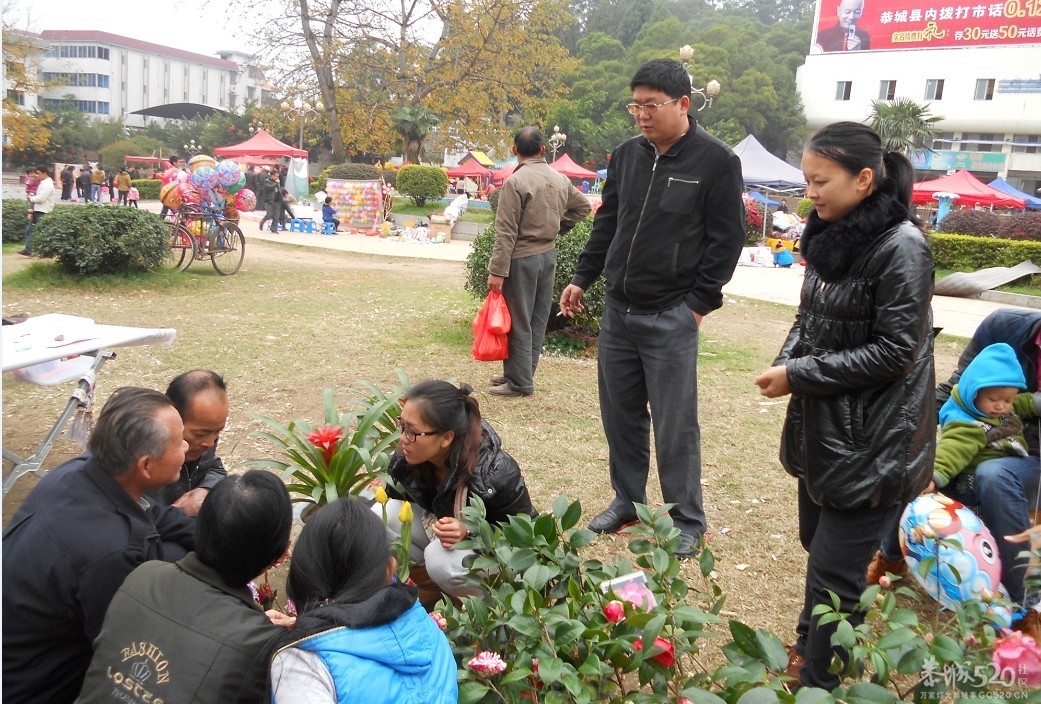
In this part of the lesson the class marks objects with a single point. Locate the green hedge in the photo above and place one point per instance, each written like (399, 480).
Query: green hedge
(14, 219)
(148, 187)
(422, 183)
(569, 247)
(970, 253)
(90, 240)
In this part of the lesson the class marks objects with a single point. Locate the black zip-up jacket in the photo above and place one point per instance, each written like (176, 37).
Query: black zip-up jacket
(496, 479)
(671, 226)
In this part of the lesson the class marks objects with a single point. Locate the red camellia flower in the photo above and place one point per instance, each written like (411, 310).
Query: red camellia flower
(614, 611)
(666, 658)
(326, 437)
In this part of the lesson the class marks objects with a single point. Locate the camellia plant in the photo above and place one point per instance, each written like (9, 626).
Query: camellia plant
(343, 455)
(553, 627)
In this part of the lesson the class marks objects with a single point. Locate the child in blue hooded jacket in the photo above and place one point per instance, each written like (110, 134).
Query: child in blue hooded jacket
(981, 458)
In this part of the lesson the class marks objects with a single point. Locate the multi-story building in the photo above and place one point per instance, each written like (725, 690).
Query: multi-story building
(113, 76)
(977, 65)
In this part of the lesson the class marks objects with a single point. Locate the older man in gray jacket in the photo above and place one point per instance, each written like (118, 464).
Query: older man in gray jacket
(535, 204)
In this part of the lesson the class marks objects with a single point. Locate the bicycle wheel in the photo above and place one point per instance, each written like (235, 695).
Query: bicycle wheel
(227, 248)
(182, 248)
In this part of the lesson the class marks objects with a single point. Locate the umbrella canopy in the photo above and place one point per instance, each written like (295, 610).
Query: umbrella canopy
(469, 169)
(180, 111)
(261, 144)
(969, 189)
(1006, 187)
(565, 165)
(761, 168)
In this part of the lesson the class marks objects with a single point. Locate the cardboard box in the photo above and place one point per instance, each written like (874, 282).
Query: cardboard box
(440, 230)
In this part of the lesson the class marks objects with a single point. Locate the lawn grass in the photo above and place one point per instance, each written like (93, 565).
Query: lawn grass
(479, 215)
(293, 321)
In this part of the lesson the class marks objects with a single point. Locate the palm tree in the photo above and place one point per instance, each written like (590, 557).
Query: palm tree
(414, 124)
(903, 124)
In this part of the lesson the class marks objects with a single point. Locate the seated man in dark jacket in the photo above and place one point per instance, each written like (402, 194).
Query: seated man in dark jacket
(78, 534)
(201, 397)
(206, 638)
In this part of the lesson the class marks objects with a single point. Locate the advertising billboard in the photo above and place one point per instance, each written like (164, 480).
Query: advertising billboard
(886, 25)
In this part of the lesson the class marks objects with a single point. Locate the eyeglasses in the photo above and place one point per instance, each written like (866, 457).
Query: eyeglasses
(635, 108)
(410, 434)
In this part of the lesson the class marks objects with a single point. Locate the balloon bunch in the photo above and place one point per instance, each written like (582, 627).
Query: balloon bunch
(210, 182)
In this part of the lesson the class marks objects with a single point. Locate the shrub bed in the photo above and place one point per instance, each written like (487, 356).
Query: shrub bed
(148, 187)
(422, 183)
(569, 248)
(90, 240)
(970, 253)
(14, 211)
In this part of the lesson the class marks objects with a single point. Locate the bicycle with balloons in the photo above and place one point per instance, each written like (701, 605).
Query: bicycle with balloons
(207, 200)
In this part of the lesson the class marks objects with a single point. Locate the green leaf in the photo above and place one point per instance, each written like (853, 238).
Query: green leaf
(946, 649)
(744, 638)
(759, 695)
(570, 517)
(472, 692)
(568, 632)
(896, 638)
(700, 696)
(869, 693)
(813, 695)
(773, 651)
(707, 562)
(550, 669)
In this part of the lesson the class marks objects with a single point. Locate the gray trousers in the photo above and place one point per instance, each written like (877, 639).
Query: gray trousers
(528, 291)
(652, 359)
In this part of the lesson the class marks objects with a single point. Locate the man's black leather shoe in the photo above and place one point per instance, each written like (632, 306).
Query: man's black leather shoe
(610, 521)
(690, 547)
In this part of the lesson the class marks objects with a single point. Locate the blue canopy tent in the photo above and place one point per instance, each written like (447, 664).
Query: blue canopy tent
(1005, 187)
(760, 198)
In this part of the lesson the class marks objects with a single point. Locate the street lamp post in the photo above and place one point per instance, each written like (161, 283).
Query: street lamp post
(302, 109)
(556, 140)
(710, 91)
(192, 148)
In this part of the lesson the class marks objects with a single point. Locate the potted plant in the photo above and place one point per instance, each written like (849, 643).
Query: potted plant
(343, 455)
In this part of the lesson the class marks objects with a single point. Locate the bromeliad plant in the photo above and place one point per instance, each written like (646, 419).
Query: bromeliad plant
(342, 456)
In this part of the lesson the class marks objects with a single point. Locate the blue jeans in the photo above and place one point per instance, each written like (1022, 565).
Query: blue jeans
(1004, 491)
(95, 193)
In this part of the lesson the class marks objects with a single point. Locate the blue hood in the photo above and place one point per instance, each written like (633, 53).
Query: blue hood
(995, 365)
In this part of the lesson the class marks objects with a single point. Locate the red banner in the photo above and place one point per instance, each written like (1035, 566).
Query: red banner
(885, 25)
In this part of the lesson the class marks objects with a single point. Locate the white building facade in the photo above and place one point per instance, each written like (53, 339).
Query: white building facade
(978, 66)
(110, 76)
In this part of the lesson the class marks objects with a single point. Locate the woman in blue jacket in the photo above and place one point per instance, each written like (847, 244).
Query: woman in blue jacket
(360, 634)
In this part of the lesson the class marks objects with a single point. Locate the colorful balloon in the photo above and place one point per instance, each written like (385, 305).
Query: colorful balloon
(237, 186)
(200, 160)
(188, 194)
(169, 196)
(170, 175)
(967, 566)
(245, 199)
(228, 173)
(205, 178)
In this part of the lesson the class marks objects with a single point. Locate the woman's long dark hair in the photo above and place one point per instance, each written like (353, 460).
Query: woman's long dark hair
(341, 556)
(446, 407)
(855, 147)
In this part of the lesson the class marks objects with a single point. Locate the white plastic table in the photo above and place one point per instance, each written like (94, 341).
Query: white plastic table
(55, 349)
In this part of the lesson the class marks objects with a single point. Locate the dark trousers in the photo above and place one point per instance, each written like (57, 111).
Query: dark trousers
(528, 292)
(652, 360)
(34, 218)
(840, 544)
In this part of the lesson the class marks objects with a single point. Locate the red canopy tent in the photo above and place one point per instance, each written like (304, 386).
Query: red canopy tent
(970, 191)
(469, 169)
(500, 175)
(261, 144)
(565, 165)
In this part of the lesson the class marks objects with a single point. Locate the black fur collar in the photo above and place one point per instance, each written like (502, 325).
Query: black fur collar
(830, 248)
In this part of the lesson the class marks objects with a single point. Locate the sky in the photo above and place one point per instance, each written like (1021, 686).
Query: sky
(201, 26)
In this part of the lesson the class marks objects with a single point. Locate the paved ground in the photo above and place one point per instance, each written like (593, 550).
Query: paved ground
(957, 316)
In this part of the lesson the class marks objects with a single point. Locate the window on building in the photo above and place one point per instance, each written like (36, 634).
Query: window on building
(103, 53)
(984, 89)
(842, 90)
(981, 142)
(16, 96)
(1026, 143)
(934, 89)
(886, 90)
(103, 81)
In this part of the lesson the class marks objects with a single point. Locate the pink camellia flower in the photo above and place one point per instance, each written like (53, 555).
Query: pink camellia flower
(1021, 655)
(290, 607)
(885, 582)
(440, 620)
(667, 658)
(486, 664)
(326, 437)
(614, 611)
(253, 590)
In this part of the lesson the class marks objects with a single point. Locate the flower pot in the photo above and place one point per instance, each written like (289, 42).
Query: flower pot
(304, 511)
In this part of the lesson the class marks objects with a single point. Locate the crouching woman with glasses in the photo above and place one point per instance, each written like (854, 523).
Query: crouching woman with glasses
(446, 454)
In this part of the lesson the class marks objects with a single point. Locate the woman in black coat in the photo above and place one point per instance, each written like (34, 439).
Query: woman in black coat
(858, 363)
